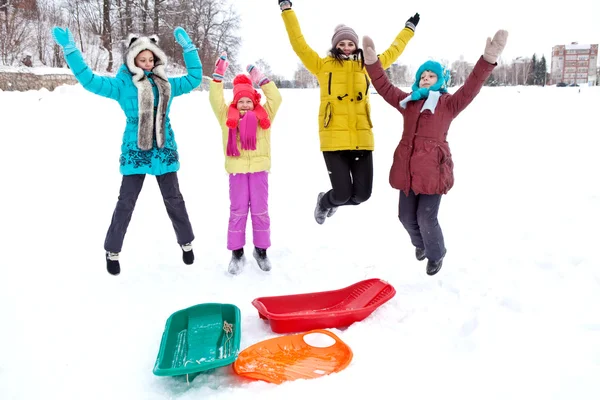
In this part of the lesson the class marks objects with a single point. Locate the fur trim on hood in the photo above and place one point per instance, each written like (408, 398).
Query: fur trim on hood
(151, 121)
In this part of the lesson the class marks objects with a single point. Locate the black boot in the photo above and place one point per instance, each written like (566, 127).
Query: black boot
(260, 255)
(188, 253)
(420, 253)
(320, 212)
(237, 261)
(112, 263)
(433, 267)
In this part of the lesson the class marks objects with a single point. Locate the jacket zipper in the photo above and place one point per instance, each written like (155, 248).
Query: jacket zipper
(412, 149)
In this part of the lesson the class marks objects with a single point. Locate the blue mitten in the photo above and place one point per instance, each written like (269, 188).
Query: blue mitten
(65, 39)
(183, 39)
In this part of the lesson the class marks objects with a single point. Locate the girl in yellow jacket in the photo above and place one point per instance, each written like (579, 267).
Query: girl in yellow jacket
(344, 113)
(246, 132)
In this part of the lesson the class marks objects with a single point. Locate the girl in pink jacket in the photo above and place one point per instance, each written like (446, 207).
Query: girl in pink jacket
(246, 130)
(422, 166)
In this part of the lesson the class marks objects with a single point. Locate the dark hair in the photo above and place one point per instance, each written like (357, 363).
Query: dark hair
(341, 57)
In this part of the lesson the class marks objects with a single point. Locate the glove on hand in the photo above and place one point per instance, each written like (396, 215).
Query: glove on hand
(183, 39)
(285, 4)
(220, 67)
(494, 47)
(64, 38)
(369, 50)
(412, 22)
(256, 75)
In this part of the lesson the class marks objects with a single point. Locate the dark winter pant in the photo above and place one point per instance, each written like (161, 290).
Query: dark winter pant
(418, 213)
(351, 175)
(131, 187)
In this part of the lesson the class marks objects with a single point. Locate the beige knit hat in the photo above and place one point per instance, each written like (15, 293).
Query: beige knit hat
(343, 32)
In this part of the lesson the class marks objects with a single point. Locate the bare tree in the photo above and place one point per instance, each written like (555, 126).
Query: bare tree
(99, 24)
(303, 78)
(211, 24)
(400, 75)
(74, 11)
(15, 32)
(460, 71)
(107, 34)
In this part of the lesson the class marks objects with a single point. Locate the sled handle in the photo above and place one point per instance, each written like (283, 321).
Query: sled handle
(324, 332)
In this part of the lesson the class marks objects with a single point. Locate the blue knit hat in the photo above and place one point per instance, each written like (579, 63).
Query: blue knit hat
(442, 73)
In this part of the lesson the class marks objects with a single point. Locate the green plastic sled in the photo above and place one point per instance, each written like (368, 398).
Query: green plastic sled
(199, 338)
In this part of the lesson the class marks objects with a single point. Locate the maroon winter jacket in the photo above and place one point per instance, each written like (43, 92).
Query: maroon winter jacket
(422, 160)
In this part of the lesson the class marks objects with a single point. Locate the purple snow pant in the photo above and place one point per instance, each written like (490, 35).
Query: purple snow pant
(131, 186)
(249, 192)
(418, 213)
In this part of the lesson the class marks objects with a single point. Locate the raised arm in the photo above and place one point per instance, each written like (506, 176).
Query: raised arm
(389, 56)
(187, 83)
(101, 85)
(269, 89)
(308, 56)
(481, 72)
(380, 81)
(216, 96)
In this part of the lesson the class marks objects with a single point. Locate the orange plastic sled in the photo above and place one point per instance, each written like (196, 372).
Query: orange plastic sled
(287, 358)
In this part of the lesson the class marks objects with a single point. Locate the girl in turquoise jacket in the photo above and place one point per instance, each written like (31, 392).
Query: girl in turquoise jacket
(144, 92)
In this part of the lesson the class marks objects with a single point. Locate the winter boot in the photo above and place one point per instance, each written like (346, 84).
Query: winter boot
(237, 261)
(320, 212)
(433, 267)
(112, 263)
(188, 253)
(420, 253)
(331, 211)
(260, 255)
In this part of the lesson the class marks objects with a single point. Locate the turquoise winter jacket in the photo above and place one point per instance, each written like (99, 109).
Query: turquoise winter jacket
(160, 158)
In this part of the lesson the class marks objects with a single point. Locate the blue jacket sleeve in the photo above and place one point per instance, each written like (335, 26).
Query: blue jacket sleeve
(101, 85)
(187, 83)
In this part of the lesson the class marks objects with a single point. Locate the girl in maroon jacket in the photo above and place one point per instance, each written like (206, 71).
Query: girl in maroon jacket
(422, 167)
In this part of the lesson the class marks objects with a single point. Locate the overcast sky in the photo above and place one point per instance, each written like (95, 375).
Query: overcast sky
(447, 29)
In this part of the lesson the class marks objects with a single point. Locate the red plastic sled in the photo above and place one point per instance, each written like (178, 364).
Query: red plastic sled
(331, 309)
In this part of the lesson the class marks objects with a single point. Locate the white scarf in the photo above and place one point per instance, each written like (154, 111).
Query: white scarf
(430, 102)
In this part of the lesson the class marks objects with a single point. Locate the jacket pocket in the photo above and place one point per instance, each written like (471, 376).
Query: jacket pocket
(328, 114)
(446, 166)
(369, 115)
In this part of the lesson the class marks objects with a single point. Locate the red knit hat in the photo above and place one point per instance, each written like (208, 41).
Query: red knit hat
(242, 87)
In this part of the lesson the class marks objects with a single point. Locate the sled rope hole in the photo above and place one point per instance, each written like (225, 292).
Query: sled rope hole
(228, 328)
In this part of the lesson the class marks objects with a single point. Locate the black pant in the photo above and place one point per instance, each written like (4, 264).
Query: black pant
(418, 213)
(351, 175)
(131, 187)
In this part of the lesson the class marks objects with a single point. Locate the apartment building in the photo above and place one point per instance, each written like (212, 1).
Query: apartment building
(574, 63)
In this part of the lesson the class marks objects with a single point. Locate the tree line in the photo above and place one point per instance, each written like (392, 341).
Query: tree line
(101, 27)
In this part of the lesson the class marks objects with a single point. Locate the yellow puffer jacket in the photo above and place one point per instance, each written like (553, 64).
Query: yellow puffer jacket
(344, 112)
(248, 160)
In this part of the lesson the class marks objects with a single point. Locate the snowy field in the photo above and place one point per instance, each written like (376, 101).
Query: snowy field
(513, 314)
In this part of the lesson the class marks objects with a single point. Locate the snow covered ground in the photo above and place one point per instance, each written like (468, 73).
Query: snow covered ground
(514, 312)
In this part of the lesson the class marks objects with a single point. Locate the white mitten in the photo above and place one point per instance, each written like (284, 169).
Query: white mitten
(494, 47)
(369, 50)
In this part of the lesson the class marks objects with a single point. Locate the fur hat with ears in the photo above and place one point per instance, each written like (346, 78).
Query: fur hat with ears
(135, 45)
(343, 32)
(242, 87)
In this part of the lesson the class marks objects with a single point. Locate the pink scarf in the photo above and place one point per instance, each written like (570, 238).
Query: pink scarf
(247, 127)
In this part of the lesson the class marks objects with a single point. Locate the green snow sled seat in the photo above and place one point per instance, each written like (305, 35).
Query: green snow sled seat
(199, 338)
